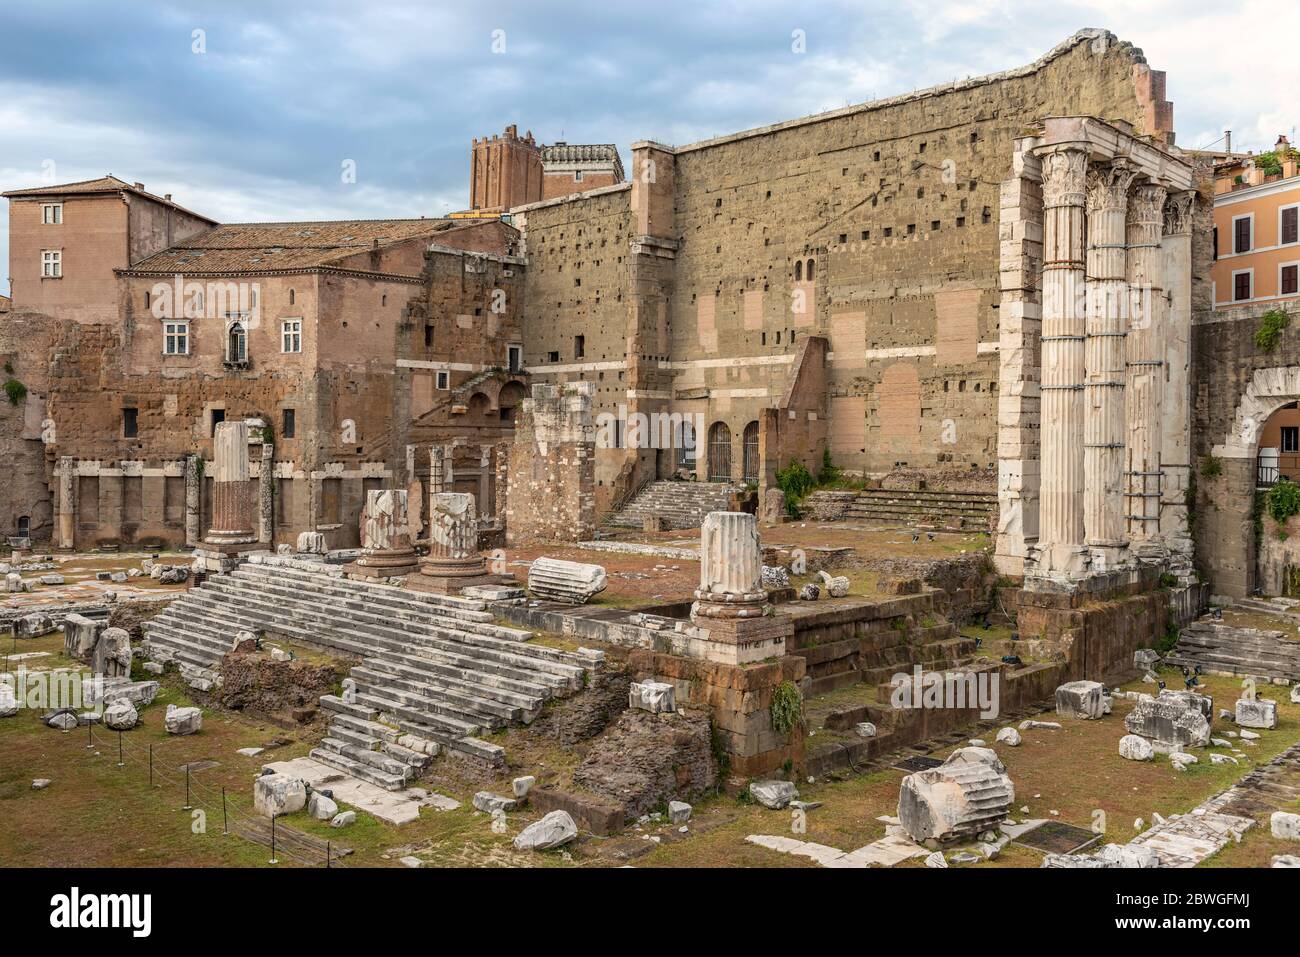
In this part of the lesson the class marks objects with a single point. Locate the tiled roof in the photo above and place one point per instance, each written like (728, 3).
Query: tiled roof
(259, 247)
(105, 184)
(5, 303)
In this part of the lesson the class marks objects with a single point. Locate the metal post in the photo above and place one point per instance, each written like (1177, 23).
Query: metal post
(187, 787)
(151, 765)
(225, 829)
(120, 763)
(327, 855)
(90, 734)
(273, 860)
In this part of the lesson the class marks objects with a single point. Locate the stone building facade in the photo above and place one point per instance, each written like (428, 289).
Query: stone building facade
(856, 254)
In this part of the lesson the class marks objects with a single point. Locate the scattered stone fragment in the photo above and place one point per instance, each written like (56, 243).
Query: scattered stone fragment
(40, 784)
(1285, 825)
(343, 819)
(521, 786)
(1256, 713)
(1040, 725)
(276, 794)
(1174, 723)
(936, 860)
(488, 802)
(809, 592)
(1249, 736)
(1146, 659)
(51, 579)
(63, 721)
(1009, 736)
(1081, 699)
(679, 812)
(773, 794)
(322, 808)
(250, 752)
(657, 697)
(966, 795)
(573, 583)
(1285, 860)
(977, 742)
(182, 720)
(120, 715)
(837, 586)
(33, 626)
(1136, 748)
(864, 729)
(553, 830)
(776, 576)
(411, 861)
(8, 702)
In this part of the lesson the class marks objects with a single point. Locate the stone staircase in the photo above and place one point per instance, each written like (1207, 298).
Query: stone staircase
(1223, 649)
(920, 508)
(435, 670)
(682, 505)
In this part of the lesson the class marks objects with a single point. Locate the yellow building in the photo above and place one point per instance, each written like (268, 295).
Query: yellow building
(1257, 229)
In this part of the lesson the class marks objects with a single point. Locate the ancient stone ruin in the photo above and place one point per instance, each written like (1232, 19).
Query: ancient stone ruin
(968, 794)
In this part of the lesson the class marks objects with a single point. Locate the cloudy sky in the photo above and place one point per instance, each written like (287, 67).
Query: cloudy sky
(253, 117)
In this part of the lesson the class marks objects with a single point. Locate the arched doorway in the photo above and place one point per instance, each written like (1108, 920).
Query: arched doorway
(508, 399)
(719, 452)
(750, 446)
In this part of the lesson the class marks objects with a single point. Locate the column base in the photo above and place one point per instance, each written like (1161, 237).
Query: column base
(220, 557)
(451, 585)
(739, 641)
(384, 565)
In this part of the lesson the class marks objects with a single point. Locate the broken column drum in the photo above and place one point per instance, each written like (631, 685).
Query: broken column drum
(232, 493)
(574, 583)
(966, 795)
(453, 560)
(386, 549)
(731, 568)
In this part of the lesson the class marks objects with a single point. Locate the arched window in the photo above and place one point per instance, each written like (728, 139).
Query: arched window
(811, 266)
(237, 343)
(798, 271)
(719, 452)
(512, 393)
(751, 452)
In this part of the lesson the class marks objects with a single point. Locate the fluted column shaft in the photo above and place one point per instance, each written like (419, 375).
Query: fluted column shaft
(1176, 400)
(67, 502)
(1107, 307)
(453, 537)
(731, 567)
(1061, 528)
(232, 494)
(1146, 361)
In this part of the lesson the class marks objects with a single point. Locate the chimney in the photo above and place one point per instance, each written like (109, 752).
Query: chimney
(139, 186)
(168, 197)
(1282, 144)
(1227, 141)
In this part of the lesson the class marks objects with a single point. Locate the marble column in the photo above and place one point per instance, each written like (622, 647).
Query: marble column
(232, 493)
(1060, 549)
(67, 503)
(1146, 364)
(731, 568)
(1176, 400)
(193, 499)
(386, 549)
(266, 496)
(453, 561)
(1105, 380)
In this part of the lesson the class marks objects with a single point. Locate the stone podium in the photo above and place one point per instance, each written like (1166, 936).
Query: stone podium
(453, 561)
(233, 501)
(732, 618)
(386, 548)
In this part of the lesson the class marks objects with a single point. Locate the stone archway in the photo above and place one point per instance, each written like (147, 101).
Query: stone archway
(1226, 540)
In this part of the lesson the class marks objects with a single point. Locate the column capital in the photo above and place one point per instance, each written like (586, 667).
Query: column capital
(1064, 174)
(1178, 209)
(1146, 204)
(1108, 185)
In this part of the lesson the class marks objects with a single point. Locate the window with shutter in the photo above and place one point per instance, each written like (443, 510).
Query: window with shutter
(1290, 279)
(1241, 233)
(1241, 286)
(1291, 225)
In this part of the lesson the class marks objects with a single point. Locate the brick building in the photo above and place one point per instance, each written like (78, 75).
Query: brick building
(509, 170)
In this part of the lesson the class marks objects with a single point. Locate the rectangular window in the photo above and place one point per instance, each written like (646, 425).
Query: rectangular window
(1291, 438)
(552, 357)
(52, 214)
(291, 335)
(218, 416)
(130, 423)
(1241, 234)
(515, 357)
(428, 337)
(444, 380)
(579, 346)
(1290, 225)
(176, 338)
(51, 263)
(288, 424)
(1240, 286)
(1290, 284)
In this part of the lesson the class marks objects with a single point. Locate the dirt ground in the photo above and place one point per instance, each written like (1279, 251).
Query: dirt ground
(80, 585)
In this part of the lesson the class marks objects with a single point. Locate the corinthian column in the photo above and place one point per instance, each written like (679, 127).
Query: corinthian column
(1061, 530)
(67, 503)
(1146, 363)
(386, 549)
(1176, 402)
(454, 560)
(1103, 466)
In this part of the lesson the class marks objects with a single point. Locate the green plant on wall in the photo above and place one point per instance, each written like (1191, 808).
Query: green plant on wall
(796, 482)
(1211, 466)
(15, 390)
(787, 707)
(1283, 501)
(1269, 333)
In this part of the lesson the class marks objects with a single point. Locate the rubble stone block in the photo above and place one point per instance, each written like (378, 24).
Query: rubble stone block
(657, 697)
(488, 802)
(679, 812)
(1256, 713)
(276, 794)
(1169, 723)
(112, 655)
(968, 794)
(573, 583)
(1285, 825)
(80, 635)
(1009, 736)
(33, 626)
(180, 720)
(553, 830)
(1081, 699)
(322, 808)
(773, 794)
(121, 715)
